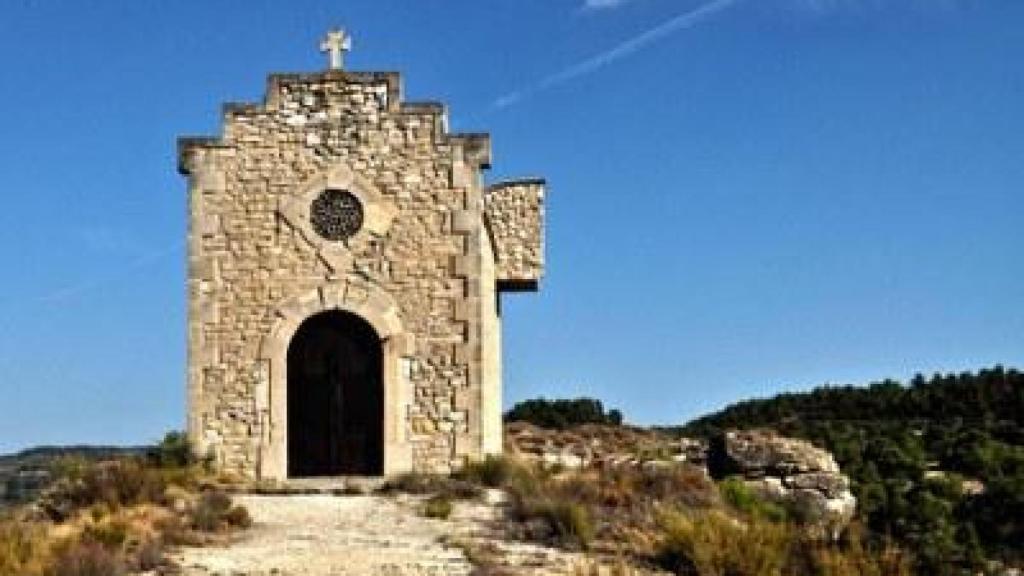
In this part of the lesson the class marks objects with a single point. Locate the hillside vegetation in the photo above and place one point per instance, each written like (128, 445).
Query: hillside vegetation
(563, 413)
(936, 464)
(111, 512)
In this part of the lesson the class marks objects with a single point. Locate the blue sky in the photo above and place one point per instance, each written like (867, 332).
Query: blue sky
(745, 196)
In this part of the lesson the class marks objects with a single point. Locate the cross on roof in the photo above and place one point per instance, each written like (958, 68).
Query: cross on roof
(336, 44)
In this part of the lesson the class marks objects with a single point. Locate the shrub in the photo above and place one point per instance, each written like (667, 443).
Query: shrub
(111, 533)
(570, 520)
(85, 559)
(713, 544)
(70, 466)
(853, 557)
(174, 451)
(438, 507)
(238, 516)
(556, 519)
(412, 483)
(492, 471)
(114, 516)
(420, 483)
(23, 548)
(148, 556)
(680, 484)
(742, 499)
(210, 513)
(110, 485)
(175, 531)
(525, 480)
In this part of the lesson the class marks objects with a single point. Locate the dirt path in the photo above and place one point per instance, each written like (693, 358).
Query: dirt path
(364, 536)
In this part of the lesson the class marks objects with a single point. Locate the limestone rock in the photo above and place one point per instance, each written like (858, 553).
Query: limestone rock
(763, 452)
(803, 478)
(599, 446)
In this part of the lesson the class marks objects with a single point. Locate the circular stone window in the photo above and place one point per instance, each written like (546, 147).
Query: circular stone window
(336, 214)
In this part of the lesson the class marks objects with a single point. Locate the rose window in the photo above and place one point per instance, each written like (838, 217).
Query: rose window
(336, 214)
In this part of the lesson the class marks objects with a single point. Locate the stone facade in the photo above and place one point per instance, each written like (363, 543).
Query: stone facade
(431, 249)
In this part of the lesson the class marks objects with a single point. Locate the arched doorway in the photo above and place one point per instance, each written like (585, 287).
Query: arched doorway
(335, 397)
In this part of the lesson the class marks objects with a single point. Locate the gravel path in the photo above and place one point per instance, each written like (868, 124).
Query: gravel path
(321, 535)
(333, 536)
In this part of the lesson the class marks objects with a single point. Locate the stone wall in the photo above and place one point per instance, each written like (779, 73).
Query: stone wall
(251, 254)
(515, 216)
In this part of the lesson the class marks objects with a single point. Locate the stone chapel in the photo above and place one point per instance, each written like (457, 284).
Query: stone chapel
(345, 267)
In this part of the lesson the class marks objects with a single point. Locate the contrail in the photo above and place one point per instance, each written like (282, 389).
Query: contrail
(72, 290)
(627, 48)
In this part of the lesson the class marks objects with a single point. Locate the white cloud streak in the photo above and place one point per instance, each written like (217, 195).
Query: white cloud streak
(828, 7)
(603, 4)
(623, 50)
(70, 291)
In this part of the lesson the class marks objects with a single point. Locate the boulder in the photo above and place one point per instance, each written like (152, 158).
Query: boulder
(765, 453)
(806, 480)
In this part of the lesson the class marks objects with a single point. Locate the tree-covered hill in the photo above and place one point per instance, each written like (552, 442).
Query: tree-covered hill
(23, 474)
(937, 463)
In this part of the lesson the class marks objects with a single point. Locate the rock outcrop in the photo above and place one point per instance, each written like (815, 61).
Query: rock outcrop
(803, 478)
(598, 446)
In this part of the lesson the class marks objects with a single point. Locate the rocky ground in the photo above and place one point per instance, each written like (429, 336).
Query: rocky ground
(323, 535)
(306, 529)
(789, 471)
(334, 534)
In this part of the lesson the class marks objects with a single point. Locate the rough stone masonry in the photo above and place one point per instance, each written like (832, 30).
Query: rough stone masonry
(335, 195)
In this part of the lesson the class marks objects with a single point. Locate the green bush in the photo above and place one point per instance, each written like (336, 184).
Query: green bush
(174, 451)
(741, 498)
(111, 534)
(438, 507)
(560, 414)
(886, 436)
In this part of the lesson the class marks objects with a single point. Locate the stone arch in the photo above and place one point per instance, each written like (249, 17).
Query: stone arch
(381, 312)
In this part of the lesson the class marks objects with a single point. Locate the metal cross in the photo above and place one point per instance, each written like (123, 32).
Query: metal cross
(336, 44)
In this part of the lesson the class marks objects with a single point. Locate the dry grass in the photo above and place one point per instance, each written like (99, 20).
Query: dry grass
(853, 557)
(492, 471)
(85, 558)
(214, 512)
(24, 548)
(115, 517)
(424, 484)
(713, 543)
(673, 516)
